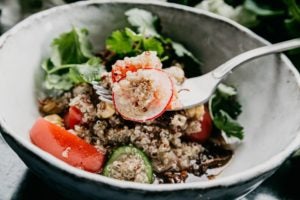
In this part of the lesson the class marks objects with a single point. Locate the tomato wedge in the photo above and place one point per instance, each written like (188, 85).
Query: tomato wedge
(143, 95)
(206, 128)
(73, 117)
(66, 146)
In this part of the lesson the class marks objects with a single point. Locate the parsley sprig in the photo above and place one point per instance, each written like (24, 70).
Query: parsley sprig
(225, 109)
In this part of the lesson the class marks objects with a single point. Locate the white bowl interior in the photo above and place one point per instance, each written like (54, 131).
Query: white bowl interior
(268, 89)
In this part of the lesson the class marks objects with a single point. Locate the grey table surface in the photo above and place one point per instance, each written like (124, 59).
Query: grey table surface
(19, 183)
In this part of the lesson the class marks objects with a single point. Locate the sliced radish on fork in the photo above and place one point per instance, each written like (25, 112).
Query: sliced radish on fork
(143, 95)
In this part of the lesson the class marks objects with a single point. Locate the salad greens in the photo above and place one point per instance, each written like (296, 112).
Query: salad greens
(71, 61)
(128, 43)
(143, 35)
(145, 22)
(225, 109)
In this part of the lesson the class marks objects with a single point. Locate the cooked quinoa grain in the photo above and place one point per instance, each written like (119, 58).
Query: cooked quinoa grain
(163, 140)
(129, 168)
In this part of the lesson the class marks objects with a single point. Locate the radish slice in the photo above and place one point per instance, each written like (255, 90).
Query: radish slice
(143, 95)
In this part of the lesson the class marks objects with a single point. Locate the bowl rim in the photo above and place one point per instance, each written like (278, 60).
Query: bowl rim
(243, 176)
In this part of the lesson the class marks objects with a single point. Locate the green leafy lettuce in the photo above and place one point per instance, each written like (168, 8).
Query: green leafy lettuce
(225, 109)
(71, 61)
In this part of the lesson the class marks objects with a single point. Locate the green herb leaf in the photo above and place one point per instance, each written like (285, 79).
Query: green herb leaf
(88, 72)
(71, 48)
(143, 20)
(180, 51)
(225, 109)
(152, 44)
(146, 24)
(75, 73)
(57, 82)
(133, 35)
(71, 61)
(120, 42)
(231, 127)
(128, 43)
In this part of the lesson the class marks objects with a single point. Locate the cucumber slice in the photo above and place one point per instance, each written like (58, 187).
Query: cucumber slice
(130, 164)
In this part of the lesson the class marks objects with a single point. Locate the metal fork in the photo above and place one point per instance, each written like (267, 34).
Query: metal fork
(104, 94)
(197, 90)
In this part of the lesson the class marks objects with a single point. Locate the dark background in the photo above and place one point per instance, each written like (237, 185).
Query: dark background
(17, 182)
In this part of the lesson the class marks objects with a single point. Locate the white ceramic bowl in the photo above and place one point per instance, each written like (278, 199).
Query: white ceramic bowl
(268, 90)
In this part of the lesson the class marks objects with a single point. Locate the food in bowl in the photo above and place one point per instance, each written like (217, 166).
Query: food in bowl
(136, 138)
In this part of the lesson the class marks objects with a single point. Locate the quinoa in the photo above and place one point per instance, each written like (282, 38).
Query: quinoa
(129, 168)
(136, 135)
(176, 73)
(163, 140)
(139, 90)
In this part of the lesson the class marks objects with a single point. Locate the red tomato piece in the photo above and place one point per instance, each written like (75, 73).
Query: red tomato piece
(206, 128)
(66, 146)
(73, 117)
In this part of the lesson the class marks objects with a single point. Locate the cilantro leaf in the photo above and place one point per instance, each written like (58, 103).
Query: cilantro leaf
(152, 44)
(180, 51)
(226, 100)
(87, 72)
(128, 43)
(71, 48)
(120, 42)
(71, 61)
(146, 24)
(57, 82)
(65, 76)
(133, 35)
(225, 109)
(231, 127)
(143, 20)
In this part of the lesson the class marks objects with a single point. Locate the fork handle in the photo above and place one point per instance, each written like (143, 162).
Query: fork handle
(223, 70)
